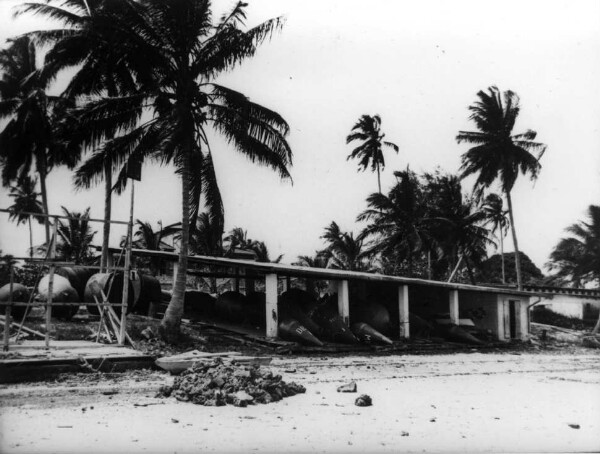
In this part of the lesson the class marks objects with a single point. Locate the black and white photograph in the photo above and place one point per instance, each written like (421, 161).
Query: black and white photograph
(291, 226)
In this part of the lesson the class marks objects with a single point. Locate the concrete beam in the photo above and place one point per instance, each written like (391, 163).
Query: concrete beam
(403, 310)
(272, 319)
(343, 300)
(454, 318)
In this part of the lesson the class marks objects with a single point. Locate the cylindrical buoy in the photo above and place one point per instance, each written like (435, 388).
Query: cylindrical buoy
(197, 304)
(150, 294)
(62, 292)
(373, 314)
(20, 294)
(114, 282)
(332, 325)
(256, 309)
(230, 306)
(292, 330)
(457, 334)
(77, 277)
(365, 333)
(288, 309)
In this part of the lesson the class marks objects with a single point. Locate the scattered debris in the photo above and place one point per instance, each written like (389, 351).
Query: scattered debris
(173, 420)
(347, 388)
(213, 383)
(363, 401)
(404, 434)
(148, 333)
(574, 426)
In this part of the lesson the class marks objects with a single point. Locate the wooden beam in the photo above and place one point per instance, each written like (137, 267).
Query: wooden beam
(271, 305)
(454, 319)
(403, 310)
(343, 300)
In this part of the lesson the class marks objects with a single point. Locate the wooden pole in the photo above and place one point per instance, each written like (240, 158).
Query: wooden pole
(51, 283)
(127, 270)
(272, 318)
(7, 320)
(403, 310)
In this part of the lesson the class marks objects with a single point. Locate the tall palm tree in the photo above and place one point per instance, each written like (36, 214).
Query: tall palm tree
(28, 141)
(498, 154)
(367, 130)
(344, 251)
(26, 200)
(262, 253)
(75, 237)
(207, 236)
(146, 238)
(92, 41)
(237, 238)
(184, 52)
(398, 228)
(576, 258)
(496, 216)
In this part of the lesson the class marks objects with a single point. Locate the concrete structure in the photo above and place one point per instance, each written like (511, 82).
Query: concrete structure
(580, 303)
(502, 311)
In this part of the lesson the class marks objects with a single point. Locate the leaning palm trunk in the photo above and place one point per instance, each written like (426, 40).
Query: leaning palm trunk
(42, 173)
(515, 243)
(502, 255)
(169, 327)
(30, 237)
(107, 215)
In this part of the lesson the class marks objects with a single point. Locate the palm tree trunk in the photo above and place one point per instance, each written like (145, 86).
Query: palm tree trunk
(469, 271)
(515, 243)
(30, 238)
(42, 173)
(502, 255)
(378, 179)
(169, 327)
(107, 215)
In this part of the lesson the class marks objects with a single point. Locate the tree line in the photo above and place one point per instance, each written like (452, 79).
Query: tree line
(144, 89)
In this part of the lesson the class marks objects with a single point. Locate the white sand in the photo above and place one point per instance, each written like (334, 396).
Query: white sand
(454, 403)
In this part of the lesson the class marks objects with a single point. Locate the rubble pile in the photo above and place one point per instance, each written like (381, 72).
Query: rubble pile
(213, 383)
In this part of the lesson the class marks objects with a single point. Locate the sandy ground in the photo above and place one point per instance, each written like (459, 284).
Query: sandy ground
(453, 403)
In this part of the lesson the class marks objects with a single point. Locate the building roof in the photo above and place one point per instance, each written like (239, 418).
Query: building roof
(325, 273)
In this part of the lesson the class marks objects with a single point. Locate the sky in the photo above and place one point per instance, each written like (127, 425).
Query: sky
(419, 66)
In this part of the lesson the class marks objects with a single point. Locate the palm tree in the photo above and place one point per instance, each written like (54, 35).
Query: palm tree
(498, 154)
(183, 52)
(237, 238)
(398, 227)
(576, 259)
(146, 238)
(367, 130)
(344, 252)
(496, 216)
(26, 201)
(93, 42)
(262, 253)
(28, 141)
(207, 237)
(319, 260)
(75, 237)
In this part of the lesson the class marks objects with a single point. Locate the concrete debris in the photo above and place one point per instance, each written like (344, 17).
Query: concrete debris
(212, 383)
(347, 388)
(363, 401)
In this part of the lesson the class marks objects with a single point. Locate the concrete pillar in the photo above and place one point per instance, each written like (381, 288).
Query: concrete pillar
(271, 305)
(343, 300)
(284, 284)
(403, 311)
(522, 312)
(454, 319)
(500, 316)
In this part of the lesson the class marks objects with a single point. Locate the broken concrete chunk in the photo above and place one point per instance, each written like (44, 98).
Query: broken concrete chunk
(363, 401)
(347, 388)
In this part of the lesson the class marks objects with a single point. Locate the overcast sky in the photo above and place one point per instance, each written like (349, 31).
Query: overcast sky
(417, 64)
